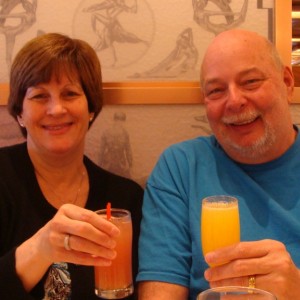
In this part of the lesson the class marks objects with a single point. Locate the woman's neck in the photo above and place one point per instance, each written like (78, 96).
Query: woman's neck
(61, 180)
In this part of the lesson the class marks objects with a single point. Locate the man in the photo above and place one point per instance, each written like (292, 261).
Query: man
(253, 155)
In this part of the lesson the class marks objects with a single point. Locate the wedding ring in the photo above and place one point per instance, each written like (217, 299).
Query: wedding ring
(251, 282)
(67, 245)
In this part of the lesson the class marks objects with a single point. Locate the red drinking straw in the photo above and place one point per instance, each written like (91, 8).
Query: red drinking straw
(108, 210)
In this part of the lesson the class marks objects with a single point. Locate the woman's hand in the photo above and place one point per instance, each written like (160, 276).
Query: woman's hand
(91, 242)
(91, 237)
(267, 260)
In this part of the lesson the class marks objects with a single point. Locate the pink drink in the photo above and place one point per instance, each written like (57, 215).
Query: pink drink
(115, 281)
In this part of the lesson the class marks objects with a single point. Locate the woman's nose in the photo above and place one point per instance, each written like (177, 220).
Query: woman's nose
(56, 105)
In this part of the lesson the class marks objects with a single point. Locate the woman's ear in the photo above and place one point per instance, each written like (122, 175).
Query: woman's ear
(20, 120)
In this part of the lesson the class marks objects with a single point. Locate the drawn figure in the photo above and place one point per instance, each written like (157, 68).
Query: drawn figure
(203, 15)
(202, 123)
(180, 61)
(8, 26)
(9, 131)
(106, 25)
(115, 149)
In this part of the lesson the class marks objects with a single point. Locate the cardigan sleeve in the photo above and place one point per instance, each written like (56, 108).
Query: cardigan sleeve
(11, 286)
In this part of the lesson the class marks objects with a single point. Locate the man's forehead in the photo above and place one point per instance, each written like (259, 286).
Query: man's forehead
(236, 39)
(214, 77)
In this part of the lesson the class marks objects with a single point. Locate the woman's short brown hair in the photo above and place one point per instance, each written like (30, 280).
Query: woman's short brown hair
(54, 54)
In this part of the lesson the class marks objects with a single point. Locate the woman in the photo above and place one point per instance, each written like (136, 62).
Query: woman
(50, 235)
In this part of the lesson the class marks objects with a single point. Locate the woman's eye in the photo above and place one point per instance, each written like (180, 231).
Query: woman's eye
(38, 96)
(71, 94)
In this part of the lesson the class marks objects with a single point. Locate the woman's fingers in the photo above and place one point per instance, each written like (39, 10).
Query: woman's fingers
(89, 217)
(80, 235)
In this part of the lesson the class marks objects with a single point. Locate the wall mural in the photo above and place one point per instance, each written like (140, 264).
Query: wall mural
(128, 140)
(16, 16)
(135, 39)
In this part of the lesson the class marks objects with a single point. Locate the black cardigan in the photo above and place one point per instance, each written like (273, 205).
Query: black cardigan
(24, 210)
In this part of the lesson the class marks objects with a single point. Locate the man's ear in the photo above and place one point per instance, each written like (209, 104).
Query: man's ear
(288, 78)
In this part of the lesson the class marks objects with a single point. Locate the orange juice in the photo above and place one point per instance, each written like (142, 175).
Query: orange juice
(220, 225)
(115, 281)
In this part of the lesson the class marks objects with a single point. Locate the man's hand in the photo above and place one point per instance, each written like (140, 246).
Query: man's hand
(267, 260)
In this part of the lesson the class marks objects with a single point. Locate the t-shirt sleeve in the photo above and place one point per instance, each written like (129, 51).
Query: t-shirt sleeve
(164, 245)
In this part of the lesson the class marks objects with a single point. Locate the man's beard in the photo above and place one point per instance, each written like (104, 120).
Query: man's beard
(256, 149)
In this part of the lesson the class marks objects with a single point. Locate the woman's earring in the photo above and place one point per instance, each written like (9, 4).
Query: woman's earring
(20, 122)
(92, 117)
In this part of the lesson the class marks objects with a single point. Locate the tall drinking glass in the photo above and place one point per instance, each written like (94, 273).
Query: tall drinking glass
(115, 281)
(220, 224)
(235, 293)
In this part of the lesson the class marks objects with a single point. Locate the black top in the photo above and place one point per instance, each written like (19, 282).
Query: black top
(24, 210)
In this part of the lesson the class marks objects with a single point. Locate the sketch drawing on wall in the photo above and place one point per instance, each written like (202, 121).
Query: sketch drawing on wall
(202, 123)
(16, 16)
(211, 14)
(181, 61)
(115, 149)
(10, 132)
(136, 40)
(106, 23)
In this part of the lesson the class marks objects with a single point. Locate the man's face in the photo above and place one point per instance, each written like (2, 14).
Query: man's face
(246, 99)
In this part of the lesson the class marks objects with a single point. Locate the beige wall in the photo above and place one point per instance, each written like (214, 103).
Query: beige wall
(151, 128)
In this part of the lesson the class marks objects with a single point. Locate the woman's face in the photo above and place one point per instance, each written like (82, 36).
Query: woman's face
(56, 116)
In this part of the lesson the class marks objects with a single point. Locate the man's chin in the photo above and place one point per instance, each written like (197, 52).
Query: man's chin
(250, 150)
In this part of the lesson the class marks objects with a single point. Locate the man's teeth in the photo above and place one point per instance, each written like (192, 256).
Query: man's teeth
(243, 122)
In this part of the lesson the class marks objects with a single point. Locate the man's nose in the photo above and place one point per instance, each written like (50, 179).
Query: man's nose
(236, 98)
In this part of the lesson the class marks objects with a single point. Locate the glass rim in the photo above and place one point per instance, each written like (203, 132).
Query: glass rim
(123, 212)
(220, 198)
(234, 288)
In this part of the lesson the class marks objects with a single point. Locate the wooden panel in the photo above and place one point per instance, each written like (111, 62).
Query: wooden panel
(296, 71)
(141, 93)
(296, 5)
(296, 28)
(3, 93)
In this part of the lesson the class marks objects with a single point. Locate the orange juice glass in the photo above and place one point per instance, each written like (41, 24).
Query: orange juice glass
(220, 223)
(115, 281)
(235, 293)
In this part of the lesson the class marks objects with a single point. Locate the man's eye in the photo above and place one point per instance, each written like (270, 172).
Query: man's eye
(252, 83)
(214, 93)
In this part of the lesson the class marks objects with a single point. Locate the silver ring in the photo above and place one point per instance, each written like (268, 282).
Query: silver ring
(66, 242)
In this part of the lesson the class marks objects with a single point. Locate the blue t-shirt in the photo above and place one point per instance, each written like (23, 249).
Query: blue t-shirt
(269, 204)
